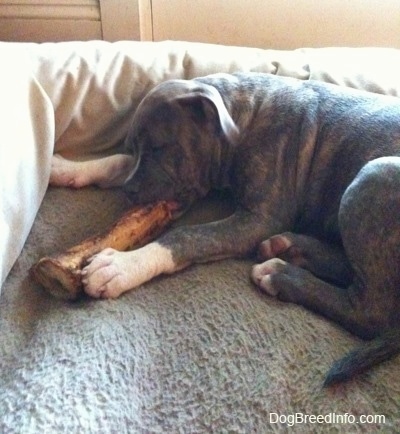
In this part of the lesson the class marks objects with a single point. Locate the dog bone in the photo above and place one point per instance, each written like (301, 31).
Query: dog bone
(61, 274)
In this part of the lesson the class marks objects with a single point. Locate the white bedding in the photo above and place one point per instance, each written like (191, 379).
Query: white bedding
(80, 97)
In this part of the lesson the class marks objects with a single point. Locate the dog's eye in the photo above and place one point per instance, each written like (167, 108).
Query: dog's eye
(158, 147)
(159, 144)
(157, 152)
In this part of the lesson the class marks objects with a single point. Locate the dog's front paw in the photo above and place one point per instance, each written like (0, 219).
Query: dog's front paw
(111, 273)
(66, 173)
(105, 172)
(262, 275)
(107, 274)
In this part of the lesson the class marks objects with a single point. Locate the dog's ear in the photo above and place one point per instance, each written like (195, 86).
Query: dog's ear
(207, 108)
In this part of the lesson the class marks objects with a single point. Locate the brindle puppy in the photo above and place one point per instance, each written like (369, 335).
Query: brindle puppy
(314, 170)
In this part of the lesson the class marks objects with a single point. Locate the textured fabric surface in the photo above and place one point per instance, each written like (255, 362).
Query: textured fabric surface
(198, 352)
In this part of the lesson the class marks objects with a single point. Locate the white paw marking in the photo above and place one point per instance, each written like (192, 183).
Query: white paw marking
(274, 246)
(261, 275)
(110, 272)
(64, 173)
(105, 172)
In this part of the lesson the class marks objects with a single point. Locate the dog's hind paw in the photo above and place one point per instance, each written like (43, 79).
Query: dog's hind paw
(273, 247)
(262, 275)
(322, 259)
(283, 246)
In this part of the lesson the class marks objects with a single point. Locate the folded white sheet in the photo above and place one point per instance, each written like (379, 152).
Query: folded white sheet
(26, 146)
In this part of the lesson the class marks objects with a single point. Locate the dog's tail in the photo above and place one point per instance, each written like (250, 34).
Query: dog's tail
(364, 357)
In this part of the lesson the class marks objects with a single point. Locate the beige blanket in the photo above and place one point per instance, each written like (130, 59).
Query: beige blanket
(202, 351)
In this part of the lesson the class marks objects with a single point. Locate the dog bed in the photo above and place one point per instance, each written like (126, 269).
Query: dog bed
(200, 351)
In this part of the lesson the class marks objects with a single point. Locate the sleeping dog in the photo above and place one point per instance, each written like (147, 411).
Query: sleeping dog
(315, 174)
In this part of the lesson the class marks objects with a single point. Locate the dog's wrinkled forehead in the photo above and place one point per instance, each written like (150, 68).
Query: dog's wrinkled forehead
(181, 108)
(167, 91)
(157, 104)
(154, 109)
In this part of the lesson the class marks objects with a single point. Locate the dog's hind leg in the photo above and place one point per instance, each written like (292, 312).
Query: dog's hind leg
(324, 260)
(297, 285)
(369, 221)
(370, 226)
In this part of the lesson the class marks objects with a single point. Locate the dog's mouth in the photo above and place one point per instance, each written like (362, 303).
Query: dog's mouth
(177, 206)
(177, 209)
(160, 187)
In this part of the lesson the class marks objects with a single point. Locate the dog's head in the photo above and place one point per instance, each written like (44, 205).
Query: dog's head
(182, 135)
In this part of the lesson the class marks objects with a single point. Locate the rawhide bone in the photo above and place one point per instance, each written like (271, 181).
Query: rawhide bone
(61, 274)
